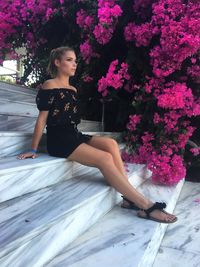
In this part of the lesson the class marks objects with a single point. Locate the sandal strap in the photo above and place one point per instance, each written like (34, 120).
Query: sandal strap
(129, 201)
(156, 206)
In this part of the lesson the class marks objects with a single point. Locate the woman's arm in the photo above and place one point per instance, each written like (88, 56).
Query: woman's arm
(39, 128)
(38, 131)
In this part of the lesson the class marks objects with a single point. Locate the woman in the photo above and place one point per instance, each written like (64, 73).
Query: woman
(58, 109)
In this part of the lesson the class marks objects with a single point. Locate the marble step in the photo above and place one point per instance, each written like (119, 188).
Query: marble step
(20, 109)
(120, 238)
(14, 142)
(17, 89)
(18, 177)
(37, 226)
(17, 123)
(180, 245)
(19, 97)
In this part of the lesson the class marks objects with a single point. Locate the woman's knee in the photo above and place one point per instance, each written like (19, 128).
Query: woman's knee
(105, 160)
(113, 143)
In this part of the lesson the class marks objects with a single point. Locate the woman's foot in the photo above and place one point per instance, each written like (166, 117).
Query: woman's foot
(157, 213)
(127, 204)
(154, 211)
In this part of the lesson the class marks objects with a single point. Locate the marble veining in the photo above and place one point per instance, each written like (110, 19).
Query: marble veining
(38, 221)
(13, 143)
(19, 177)
(24, 109)
(120, 238)
(30, 175)
(181, 241)
(16, 97)
(17, 89)
(17, 123)
(169, 257)
(26, 218)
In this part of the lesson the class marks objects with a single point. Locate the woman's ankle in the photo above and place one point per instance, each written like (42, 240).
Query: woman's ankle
(145, 205)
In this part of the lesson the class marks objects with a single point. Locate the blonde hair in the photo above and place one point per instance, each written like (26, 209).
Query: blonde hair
(56, 53)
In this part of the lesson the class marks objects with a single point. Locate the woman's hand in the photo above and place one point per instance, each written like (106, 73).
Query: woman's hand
(27, 155)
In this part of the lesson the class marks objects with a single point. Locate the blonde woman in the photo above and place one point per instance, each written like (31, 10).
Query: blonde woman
(58, 111)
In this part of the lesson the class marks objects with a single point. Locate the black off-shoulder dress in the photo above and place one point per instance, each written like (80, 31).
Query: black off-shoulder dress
(63, 136)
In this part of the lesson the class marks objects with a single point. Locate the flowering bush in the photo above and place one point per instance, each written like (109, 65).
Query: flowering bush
(29, 24)
(145, 50)
(166, 94)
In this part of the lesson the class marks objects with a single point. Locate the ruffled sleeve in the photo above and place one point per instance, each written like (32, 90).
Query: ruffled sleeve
(44, 99)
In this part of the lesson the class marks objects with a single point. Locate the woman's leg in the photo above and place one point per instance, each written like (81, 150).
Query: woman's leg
(109, 145)
(90, 156)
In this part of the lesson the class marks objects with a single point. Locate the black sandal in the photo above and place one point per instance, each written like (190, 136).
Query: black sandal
(157, 206)
(131, 206)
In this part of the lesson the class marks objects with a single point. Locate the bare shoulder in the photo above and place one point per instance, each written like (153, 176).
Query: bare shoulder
(48, 84)
(74, 88)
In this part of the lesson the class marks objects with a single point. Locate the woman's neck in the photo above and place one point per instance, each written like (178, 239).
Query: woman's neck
(63, 80)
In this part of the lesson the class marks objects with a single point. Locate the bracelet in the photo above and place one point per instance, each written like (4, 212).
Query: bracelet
(32, 150)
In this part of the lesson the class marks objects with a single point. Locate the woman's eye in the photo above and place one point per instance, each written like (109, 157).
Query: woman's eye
(69, 59)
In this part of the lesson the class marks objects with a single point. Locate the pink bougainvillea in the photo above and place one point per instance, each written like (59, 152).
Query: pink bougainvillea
(113, 77)
(87, 51)
(108, 12)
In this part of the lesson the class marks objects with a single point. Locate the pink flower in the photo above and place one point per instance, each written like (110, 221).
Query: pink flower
(177, 96)
(87, 51)
(195, 151)
(113, 77)
(133, 121)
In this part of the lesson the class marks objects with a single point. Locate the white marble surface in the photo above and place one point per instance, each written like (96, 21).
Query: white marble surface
(13, 143)
(180, 244)
(26, 110)
(12, 164)
(14, 88)
(21, 176)
(18, 177)
(16, 97)
(56, 216)
(119, 238)
(17, 123)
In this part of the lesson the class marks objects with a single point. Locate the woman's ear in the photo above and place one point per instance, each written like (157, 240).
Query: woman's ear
(57, 62)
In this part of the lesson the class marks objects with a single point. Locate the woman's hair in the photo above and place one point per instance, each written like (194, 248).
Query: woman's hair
(56, 53)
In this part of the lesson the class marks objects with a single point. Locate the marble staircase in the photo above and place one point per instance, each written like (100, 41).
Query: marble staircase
(120, 238)
(46, 203)
(55, 212)
(180, 245)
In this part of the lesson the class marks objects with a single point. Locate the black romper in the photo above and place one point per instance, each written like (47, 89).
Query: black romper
(63, 136)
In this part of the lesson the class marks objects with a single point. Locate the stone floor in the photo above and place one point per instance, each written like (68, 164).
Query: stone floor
(181, 243)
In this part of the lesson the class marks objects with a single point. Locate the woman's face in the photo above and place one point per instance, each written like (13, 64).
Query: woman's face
(68, 63)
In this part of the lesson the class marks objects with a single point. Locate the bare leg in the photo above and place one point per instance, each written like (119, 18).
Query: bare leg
(109, 145)
(90, 156)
